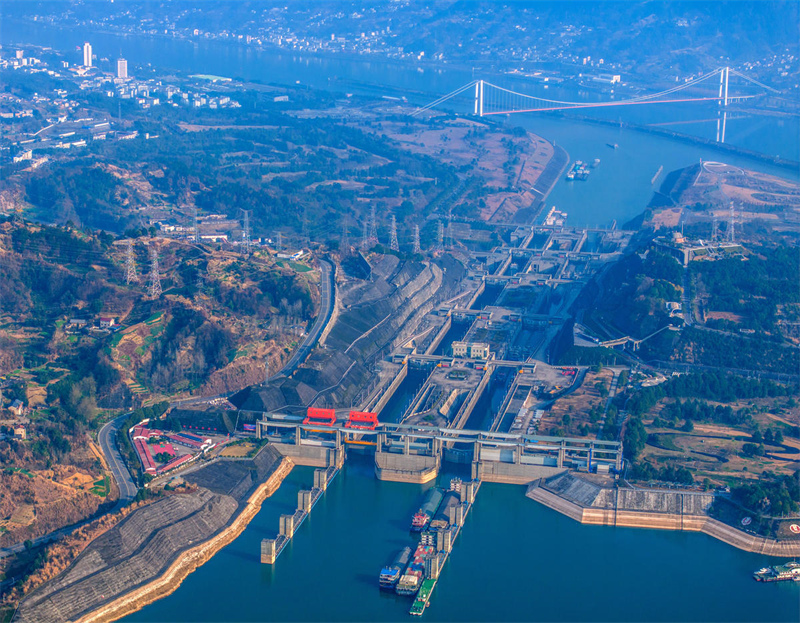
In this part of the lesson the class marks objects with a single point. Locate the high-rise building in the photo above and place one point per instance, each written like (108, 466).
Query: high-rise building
(87, 54)
(122, 68)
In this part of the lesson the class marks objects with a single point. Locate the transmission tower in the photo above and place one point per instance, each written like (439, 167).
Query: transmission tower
(714, 229)
(417, 247)
(266, 369)
(246, 232)
(373, 228)
(155, 281)
(365, 235)
(394, 245)
(731, 219)
(130, 265)
(196, 226)
(280, 241)
(345, 238)
(450, 242)
(440, 237)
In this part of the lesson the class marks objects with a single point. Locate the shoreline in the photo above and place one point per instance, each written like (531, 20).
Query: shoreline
(191, 559)
(625, 518)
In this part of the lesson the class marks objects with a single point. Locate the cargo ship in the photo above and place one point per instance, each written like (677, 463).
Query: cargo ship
(789, 572)
(441, 519)
(579, 171)
(391, 575)
(428, 509)
(411, 580)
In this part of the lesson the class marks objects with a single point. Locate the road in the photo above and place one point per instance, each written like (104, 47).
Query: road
(686, 301)
(326, 293)
(108, 443)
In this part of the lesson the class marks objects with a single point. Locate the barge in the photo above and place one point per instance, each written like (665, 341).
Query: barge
(579, 171)
(428, 509)
(390, 574)
(442, 518)
(789, 572)
(411, 580)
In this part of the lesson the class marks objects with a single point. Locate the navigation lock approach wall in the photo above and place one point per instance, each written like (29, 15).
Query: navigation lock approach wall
(590, 503)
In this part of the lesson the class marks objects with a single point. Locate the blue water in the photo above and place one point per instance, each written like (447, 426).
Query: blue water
(515, 560)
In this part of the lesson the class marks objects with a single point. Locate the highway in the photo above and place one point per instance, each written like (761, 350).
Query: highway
(326, 290)
(108, 443)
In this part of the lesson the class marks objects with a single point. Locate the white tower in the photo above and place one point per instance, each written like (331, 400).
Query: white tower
(417, 247)
(87, 54)
(122, 68)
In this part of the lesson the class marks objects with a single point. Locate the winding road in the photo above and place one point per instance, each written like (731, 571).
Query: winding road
(326, 290)
(107, 437)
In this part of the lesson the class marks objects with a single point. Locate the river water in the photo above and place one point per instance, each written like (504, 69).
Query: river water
(515, 559)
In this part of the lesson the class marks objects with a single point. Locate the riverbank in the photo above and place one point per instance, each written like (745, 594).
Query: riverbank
(190, 560)
(589, 503)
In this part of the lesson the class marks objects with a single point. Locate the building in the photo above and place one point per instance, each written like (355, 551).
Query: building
(107, 322)
(17, 408)
(122, 68)
(87, 54)
(473, 350)
(19, 432)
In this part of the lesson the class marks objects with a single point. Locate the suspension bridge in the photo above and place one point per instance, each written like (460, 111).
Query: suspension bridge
(723, 85)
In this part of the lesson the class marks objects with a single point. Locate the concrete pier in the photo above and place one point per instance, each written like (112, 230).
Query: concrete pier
(288, 524)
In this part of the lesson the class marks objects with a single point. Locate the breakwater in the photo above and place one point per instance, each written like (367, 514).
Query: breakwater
(589, 503)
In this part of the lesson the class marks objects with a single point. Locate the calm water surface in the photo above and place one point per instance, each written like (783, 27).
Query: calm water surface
(515, 560)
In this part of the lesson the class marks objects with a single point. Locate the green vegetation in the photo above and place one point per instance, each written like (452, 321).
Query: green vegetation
(752, 289)
(771, 495)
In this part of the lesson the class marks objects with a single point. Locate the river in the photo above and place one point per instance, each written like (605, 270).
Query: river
(515, 560)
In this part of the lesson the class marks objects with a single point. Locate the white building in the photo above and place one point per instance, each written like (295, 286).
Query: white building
(122, 68)
(87, 54)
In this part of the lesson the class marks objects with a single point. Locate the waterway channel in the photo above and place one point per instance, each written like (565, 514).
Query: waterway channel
(515, 561)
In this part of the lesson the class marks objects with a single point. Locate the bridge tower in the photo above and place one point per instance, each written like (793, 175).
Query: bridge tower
(478, 109)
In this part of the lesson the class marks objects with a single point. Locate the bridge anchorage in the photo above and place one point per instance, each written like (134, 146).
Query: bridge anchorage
(732, 87)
